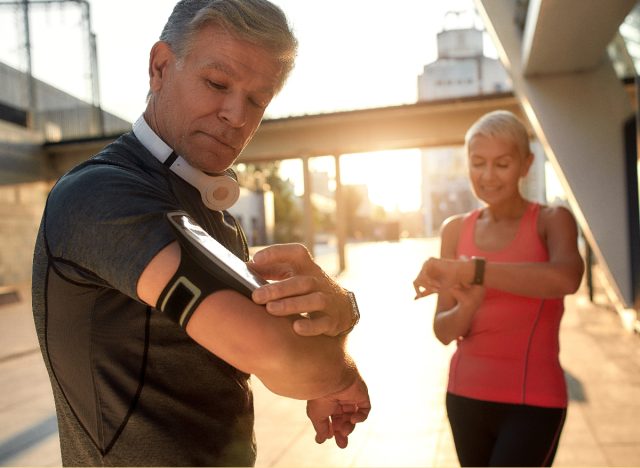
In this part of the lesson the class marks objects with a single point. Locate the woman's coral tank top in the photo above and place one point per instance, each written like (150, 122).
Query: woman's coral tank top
(511, 353)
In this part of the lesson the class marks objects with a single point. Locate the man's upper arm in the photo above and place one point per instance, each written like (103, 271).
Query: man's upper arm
(212, 320)
(103, 224)
(157, 273)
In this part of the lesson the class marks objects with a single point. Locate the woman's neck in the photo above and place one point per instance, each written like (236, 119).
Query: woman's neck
(511, 210)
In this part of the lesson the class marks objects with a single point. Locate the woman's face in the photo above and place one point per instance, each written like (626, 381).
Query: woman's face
(495, 168)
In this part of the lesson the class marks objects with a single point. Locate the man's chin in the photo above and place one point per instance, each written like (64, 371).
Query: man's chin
(211, 163)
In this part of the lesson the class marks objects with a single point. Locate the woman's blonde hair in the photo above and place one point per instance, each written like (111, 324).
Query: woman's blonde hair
(500, 123)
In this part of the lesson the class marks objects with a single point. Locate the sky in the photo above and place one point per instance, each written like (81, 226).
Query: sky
(352, 53)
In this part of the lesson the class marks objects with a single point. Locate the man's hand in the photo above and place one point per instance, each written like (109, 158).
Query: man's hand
(337, 415)
(302, 288)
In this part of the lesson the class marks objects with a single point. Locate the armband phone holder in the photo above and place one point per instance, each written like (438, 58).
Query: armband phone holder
(206, 266)
(212, 256)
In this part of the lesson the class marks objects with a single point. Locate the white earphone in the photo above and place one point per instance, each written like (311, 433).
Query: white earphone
(218, 192)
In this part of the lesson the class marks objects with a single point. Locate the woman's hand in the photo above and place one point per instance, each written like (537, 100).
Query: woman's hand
(468, 298)
(441, 274)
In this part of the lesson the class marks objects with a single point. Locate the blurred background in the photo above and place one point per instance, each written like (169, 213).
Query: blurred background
(363, 147)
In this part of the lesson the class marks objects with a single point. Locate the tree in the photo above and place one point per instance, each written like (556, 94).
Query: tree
(287, 210)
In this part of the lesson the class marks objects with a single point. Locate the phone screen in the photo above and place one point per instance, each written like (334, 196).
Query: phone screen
(236, 270)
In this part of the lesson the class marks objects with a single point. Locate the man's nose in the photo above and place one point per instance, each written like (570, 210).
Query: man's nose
(234, 111)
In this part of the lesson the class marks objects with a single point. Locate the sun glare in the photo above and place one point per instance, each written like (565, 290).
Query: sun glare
(393, 178)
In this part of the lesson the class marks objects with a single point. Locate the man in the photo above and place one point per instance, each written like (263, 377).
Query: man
(140, 375)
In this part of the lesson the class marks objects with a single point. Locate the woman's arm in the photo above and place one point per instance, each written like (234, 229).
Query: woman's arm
(456, 306)
(560, 276)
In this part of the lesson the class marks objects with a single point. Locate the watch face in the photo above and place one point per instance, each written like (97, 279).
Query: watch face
(478, 274)
(236, 272)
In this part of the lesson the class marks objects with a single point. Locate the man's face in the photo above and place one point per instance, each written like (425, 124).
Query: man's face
(208, 105)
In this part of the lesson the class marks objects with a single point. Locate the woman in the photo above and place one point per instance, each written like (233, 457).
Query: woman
(503, 273)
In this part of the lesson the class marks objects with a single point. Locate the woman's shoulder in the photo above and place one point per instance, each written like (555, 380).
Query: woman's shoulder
(453, 226)
(453, 222)
(555, 213)
(555, 216)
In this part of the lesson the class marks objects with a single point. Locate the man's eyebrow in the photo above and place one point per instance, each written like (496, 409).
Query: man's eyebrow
(221, 67)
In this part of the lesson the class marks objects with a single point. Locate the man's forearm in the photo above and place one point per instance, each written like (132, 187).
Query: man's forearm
(310, 377)
(247, 337)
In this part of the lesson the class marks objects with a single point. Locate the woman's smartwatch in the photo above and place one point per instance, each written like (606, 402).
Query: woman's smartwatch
(478, 272)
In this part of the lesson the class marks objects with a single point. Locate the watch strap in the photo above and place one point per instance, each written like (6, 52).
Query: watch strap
(478, 272)
(355, 314)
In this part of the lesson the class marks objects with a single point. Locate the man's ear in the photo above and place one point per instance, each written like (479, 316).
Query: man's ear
(160, 58)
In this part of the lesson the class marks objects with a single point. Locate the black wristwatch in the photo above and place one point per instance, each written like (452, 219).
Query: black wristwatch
(355, 314)
(478, 274)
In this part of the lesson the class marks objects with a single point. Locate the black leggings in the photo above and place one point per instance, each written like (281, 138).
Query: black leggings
(501, 434)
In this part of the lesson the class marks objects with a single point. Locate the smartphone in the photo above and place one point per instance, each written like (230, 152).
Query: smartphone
(213, 256)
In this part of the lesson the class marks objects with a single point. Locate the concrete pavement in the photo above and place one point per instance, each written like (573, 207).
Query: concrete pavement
(405, 368)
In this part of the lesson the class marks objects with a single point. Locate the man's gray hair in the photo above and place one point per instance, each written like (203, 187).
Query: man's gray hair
(259, 22)
(504, 124)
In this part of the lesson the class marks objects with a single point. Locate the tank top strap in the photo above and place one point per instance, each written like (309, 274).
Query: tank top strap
(528, 242)
(466, 240)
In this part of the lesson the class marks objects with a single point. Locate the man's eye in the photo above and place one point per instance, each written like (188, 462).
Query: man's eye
(215, 85)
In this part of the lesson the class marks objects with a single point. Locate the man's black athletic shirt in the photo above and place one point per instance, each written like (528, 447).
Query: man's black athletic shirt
(130, 387)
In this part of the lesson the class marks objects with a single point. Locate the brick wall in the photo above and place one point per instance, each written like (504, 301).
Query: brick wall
(20, 212)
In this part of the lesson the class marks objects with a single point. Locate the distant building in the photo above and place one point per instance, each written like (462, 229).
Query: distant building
(461, 69)
(255, 212)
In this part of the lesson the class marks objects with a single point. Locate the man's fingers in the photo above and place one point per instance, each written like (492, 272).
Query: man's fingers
(342, 427)
(316, 324)
(292, 296)
(323, 429)
(273, 271)
(341, 440)
(295, 254)
(361, 415)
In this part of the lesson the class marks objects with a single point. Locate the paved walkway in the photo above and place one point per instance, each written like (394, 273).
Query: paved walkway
(405, 367)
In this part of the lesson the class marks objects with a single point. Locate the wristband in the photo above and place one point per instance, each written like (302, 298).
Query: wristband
(355, 314)
(478, 274)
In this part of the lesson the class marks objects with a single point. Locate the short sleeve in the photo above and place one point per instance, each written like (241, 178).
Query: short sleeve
(104, 223)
